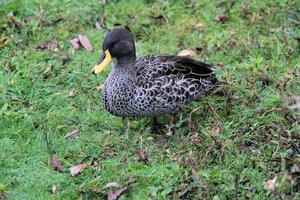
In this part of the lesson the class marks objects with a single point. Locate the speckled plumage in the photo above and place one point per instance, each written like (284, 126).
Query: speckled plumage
(155, 85)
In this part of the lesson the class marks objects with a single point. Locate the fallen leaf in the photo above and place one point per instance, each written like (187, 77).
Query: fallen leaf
(132, 20)
(113, 195)
(294, 101)
(195, 175)
(200, 27)
(221, 90)
(99, 25)
(265, 79)
(75, 43)
(53, 189)
(142, 154)
(270, 184)
(48, 45)
(217, 128)
(275, 30)
(222, 17)
(76, 169)
(187, 53)
(93, 163)
(3, 42)
(102, 2)
(99, 88)
(85, 42)
(111, 185)
(47, 71)
(72, 93)
(73, 134)
(56, 164)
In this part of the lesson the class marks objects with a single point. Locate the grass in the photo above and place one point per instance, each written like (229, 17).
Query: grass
(237, 142)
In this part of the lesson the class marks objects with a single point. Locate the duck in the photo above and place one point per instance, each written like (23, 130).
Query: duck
(150, 86)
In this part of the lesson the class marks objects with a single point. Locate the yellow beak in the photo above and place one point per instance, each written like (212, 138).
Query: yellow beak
(103, 62)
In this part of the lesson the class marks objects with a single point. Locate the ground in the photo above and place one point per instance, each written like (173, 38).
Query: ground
(241, 143)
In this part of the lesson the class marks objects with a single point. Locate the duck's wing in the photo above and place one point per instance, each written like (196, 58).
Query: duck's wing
(166, 82)
(155, 66)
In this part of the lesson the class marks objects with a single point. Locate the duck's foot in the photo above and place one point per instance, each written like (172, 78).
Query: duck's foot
(171, 126)
(126, 123)
(155, 126)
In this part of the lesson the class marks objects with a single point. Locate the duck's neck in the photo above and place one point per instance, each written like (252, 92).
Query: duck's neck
(126, 60)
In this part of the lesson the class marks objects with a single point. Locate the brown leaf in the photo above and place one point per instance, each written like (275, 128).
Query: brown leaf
(56, 164)
(72, 93)
(53, 189)
(265, 79)
(187, 53)
(113, 195)
(99, 88)
(221, 90)
(142, 154)
(76, 169)
(73, 134)
(99, 25)
(270, 184)
(275, 30)
(111, 185)
(222, 17)
(75, 43)
(102, 2)
(217, 128)
(3, 42)
(200, 27)
(132, 20)
(48, 45)
(195, 175)
(85, 42)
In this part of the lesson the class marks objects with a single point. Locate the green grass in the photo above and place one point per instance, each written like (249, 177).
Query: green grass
(259, 38)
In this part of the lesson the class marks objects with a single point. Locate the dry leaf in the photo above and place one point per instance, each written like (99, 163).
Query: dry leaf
(56, 164)
(3, 42)
(187, 53)
(76, 169)
(48, 70)
(200, 27)
(195, 175)
(72, 93)
(53, 189)
(217, 128)
(75, 43)
(73, 134)
(222, 17)
(271, 184)
(143, 155)
(85, 42)
(48, 45)
(99, 88)
(102, 2)
(132, 20)
(275, 30)
(113, 195)
(99, 25)
(111, 185)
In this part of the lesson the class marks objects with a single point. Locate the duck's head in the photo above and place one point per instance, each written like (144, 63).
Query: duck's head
(118, 43)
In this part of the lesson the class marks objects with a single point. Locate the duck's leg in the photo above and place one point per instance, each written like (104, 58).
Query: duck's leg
(126, 123)
(155, 126)
(171, 126)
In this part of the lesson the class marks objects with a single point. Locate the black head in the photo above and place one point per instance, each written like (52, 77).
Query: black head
(120, 43)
